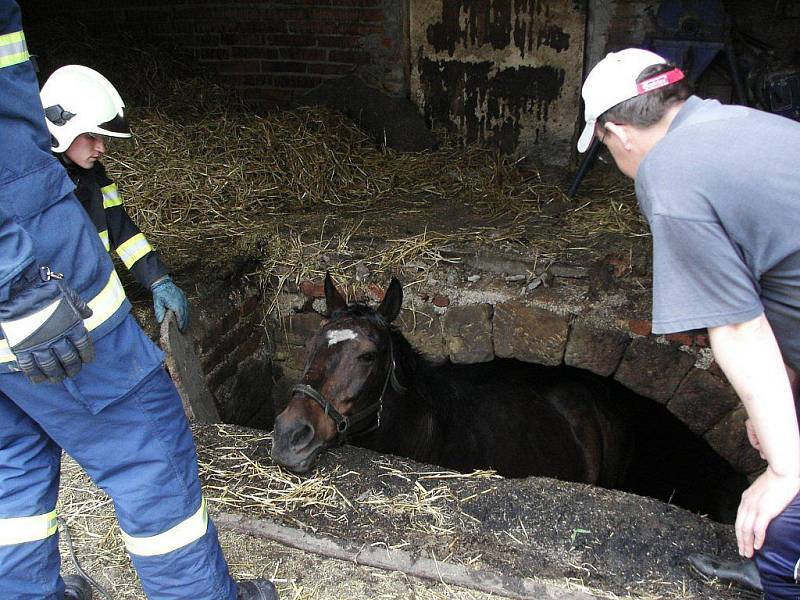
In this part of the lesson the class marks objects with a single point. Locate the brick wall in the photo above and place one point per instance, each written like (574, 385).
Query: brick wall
(271, 51)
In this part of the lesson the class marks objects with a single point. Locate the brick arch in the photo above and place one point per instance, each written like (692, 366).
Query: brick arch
(672, 371)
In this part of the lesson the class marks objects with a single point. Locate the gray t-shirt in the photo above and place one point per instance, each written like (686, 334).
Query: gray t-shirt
(721, 192)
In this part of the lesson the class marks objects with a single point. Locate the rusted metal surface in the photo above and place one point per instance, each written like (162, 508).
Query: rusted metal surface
(504, 72)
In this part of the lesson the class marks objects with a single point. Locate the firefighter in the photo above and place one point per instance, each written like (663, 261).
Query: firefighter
(83, 109)
(77, 373)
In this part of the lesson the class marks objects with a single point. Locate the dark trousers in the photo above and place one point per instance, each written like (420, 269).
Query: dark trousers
(778, 560)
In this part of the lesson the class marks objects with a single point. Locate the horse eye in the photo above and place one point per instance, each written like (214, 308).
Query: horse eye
(367, 357)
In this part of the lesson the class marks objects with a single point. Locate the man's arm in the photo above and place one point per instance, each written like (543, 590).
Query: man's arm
(750, 358)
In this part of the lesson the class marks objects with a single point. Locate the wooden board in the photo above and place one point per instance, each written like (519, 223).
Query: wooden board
(184, 367)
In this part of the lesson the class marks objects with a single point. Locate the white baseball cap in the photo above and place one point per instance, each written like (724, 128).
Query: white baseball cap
(613, 80)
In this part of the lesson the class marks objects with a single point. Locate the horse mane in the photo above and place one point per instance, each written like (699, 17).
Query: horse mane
(359, 310)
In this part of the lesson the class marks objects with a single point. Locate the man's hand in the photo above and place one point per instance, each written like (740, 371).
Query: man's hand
(43, 324)
(764, 500)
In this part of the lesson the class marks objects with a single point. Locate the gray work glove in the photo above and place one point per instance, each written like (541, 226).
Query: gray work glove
(43, 323)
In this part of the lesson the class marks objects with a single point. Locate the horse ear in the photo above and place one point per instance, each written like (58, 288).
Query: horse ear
(392, 301)
(333, 299)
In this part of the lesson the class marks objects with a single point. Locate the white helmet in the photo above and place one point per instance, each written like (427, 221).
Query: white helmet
(80, 100)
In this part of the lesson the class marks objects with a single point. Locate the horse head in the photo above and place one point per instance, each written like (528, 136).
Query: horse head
(349, 367)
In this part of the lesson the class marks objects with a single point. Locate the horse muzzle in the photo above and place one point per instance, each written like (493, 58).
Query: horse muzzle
(295, 444)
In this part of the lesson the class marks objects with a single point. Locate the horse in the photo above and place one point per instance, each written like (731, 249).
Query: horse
(363, 383)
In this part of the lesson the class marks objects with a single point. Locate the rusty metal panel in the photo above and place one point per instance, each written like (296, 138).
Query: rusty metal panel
(504, 72)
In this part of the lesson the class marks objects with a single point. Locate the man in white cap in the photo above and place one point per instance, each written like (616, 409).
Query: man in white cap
(720, 189)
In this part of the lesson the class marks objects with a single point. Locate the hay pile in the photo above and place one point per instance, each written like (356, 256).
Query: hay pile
(208, 180)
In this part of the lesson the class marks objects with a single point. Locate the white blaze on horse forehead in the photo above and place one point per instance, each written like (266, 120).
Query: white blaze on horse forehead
(340, 335)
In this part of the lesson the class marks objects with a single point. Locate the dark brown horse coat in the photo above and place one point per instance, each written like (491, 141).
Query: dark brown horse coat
(364, 383)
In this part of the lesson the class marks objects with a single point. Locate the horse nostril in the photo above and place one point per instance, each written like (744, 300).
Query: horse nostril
(301, 436)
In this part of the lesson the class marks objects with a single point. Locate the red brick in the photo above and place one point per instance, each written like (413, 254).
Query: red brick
(254, 52)
(240, 66)
(202, 39)
(367, 3)
(335, 14)
(353, 57)
(289, 14)
(371, 15)
(312, 289)
(284, 67)
(339, 41)
(640, 327)
(242, 39)
(329, 69)
(211, 53)
(288, 39)
(333, 27)
(441, 301)
(320, 27)
(310, 54)
(295, 81)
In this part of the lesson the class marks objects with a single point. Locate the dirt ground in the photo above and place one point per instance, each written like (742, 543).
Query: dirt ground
(568, 539)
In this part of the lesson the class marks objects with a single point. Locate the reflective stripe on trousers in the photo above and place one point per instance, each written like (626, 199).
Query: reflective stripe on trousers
(136, 445)
(183, 534)
(18, 530)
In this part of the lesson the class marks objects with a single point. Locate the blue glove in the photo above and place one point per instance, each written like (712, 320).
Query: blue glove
(43, 324)
(168, 296)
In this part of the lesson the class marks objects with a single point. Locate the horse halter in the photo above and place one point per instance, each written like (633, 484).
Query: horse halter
(346, 424)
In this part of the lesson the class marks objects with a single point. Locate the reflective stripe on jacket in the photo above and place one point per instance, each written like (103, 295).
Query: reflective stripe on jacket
(102, 200)
(13, 49)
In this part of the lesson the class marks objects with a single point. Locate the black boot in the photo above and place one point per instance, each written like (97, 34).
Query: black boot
(77, 587)
(742, 573)
(256, 589)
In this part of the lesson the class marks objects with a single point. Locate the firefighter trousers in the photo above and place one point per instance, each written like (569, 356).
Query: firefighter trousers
(122, 420)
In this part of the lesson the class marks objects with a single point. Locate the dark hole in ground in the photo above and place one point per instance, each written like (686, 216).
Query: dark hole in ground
(670, 463)
(674, 465)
